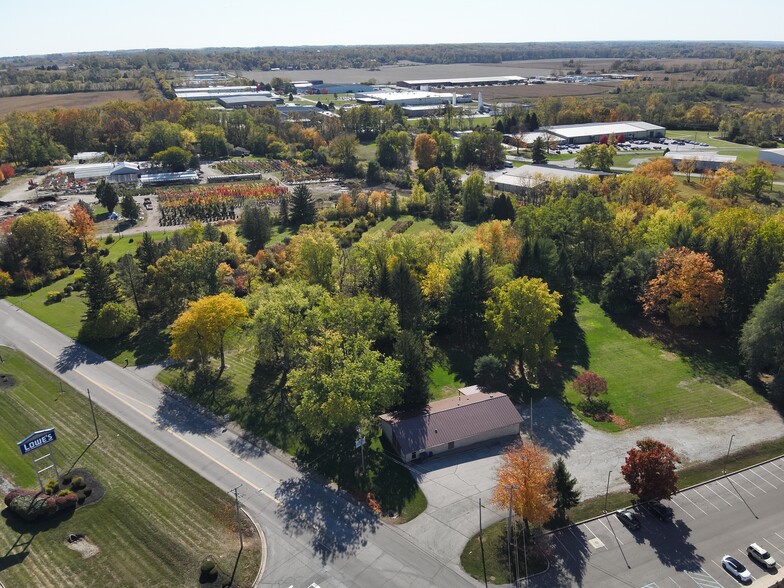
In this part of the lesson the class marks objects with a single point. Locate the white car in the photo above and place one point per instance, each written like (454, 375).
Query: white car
(736, 569)
(761, 556)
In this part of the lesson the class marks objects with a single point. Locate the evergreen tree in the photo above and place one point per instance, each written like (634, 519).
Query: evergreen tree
(129, 208)
(468, 290)
(284, 211)
(534, 121)
(406, 294)
(211, 233)
(303, 209)
(256, 226)
(148, 252)
(440, 200)
(564, 486)
(412, 351)
(502, 207)
(539, 151)
(100, 286)
(394, 205)
(107, 195)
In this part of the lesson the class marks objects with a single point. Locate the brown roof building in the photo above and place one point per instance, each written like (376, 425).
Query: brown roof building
(451, 423)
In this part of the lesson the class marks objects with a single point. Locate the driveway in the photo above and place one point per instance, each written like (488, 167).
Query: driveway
(454, 484)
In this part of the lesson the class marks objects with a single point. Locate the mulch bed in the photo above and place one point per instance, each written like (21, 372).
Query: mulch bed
(7, 381)
(90, 482)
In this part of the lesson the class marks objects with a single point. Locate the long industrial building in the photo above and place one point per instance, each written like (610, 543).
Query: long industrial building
(410, 98)
(463, 82)
(596, 132)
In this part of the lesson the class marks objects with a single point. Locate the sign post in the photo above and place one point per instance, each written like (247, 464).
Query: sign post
(35, 441)
(360, 444)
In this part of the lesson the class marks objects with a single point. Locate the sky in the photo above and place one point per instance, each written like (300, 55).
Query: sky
(48, 26)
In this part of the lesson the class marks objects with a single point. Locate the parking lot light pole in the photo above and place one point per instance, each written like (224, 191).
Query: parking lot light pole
(607, 491)
(728, 454)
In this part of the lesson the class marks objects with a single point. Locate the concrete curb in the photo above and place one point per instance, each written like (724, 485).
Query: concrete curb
(257, 581)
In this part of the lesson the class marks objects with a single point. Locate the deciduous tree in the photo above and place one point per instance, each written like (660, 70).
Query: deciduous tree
(425, 151)
(83, 225)
(649, 470)
(473, 196)
(313, 253)
(762, 339)
(526, 466)
(200, 331)
(686, 288)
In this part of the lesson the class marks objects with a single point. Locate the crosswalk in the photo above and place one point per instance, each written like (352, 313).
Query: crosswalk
(704, 579)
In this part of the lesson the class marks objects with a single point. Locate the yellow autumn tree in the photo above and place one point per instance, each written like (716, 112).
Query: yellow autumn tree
(526, 466)
(200, 331)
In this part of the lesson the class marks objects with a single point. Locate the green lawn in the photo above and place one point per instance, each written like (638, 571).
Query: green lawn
(648, 384)
(366, 151)
(443, 383)
(746, 154)
(155, 524)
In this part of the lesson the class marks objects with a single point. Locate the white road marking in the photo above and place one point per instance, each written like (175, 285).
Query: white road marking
(683, 509)
(773, 546)
(761, 478)
(719, 495)
(690, 500)
(705, 580)
(674, 582)
(752, 483)
(734, 485)
(705, 499)
(771, 473)
(611, 531)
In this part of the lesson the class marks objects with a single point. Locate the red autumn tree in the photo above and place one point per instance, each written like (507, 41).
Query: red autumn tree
(590, 385)
(687, 288)
(650, 470)
(7, 170)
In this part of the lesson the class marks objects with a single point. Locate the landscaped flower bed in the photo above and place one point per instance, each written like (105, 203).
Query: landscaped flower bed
(213, 202)
(289, 171)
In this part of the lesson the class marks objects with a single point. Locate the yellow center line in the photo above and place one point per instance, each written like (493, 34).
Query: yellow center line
(117, 395)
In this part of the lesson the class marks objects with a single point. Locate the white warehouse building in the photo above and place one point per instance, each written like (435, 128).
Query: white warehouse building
(772, 156)
(596, 132)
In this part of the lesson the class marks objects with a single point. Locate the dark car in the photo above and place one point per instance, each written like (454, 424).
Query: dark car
(629, 519)
(660, 511)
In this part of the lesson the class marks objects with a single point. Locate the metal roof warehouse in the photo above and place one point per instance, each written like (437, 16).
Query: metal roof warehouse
(593, 132)
(471, 417)
(480, 81)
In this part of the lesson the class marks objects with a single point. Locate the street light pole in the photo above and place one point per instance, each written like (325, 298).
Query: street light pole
(607, 491)
(511, 489)
(728, 454)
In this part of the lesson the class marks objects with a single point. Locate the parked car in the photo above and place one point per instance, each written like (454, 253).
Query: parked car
(660, 511)
(761, 556)
(628, 518)
(736, 569)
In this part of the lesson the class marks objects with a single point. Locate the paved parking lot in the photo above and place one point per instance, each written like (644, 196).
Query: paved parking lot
(710, 521)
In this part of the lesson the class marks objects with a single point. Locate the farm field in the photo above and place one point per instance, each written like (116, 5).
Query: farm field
(156, 523)
(649, 384)
(9, 104)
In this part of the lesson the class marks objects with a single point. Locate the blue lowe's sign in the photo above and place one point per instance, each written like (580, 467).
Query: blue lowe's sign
(35, 440)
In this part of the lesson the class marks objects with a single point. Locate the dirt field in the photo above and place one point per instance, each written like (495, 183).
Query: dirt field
(75, 100)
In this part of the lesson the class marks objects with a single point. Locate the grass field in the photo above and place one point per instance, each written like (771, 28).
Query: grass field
(11, 104)
(443, 383)
(648, 384)
(156, 522)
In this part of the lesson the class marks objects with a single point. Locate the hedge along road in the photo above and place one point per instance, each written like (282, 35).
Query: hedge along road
(314, 534)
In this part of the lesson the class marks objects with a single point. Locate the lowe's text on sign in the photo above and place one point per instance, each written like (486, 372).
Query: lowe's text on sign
(36, 440)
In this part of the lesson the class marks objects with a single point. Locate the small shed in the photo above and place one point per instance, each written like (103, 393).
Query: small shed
(452, 423)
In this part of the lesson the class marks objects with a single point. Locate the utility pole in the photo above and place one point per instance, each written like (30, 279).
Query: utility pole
(239, 530)
(481, 543)
(92, 409)
(728, 454)
(607, 491)
(511, 489)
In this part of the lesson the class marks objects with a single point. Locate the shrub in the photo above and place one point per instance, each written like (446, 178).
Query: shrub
(109, 240)
(87, 491)
(17, 492)
(77, 483)
(596, 408)
(67, 480)
(53, 296)
(33, 507)
(52, 487)
(130, 240)
(589, 385)
(114, 320)
(65, 501)
(104, 252)
(490, 372)
(68, 289)
(65, 492)
(5, 282)
(207, 566)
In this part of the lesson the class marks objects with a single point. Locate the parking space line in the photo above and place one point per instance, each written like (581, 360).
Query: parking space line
(754, 471)
(612, 532)
(674, 582)
(752, 483)
(719, 495)
(735, 485)
(683, 509)
(591, 530)
(771, 473)
(773, 546)
(705, 499)
(698, 508)
(779, 536)
(705, 580)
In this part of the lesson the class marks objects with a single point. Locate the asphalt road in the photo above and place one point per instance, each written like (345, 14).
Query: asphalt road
(314, 533)
(710, 521)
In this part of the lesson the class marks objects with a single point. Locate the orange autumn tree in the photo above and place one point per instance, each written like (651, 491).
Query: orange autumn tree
(82, 225)
(526, 465)
(425, 151)
(687, 288)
